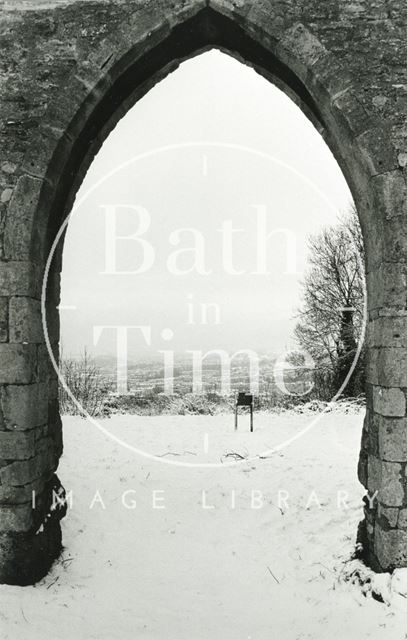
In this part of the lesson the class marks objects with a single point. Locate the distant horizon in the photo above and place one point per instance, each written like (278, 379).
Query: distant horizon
(196, 275)
(144, 356)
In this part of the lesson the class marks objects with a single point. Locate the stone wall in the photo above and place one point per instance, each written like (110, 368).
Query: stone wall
(68, 71)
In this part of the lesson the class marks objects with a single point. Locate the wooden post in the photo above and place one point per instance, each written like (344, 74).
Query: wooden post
(245, 400)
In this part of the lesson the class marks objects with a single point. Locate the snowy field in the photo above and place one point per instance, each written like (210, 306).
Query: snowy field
(253, 547)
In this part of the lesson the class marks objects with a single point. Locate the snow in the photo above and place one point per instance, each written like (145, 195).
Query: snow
(272, 558)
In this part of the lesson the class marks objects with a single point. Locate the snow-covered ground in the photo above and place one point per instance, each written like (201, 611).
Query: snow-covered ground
(254, 550)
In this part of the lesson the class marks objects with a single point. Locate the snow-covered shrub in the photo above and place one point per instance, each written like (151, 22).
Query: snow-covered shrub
(86, 383)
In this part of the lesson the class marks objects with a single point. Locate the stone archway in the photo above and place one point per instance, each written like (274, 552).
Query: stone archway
(70, 71)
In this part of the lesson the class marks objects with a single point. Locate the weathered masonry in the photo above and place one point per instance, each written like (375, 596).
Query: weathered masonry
(69, 71)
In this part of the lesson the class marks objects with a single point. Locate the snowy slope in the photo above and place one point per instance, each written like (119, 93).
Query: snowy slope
(265, 562)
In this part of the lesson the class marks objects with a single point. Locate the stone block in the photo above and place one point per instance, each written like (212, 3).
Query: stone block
(389, 402)
(3, 319)
(392, 368)
(16, 445)
(45, 447)
(390, 191)
(41, 432)
(388, 516)
(348, 108)
(25, 320)
(19, 279)
(19, 495)
(37, 163)
(391, 492)
(371, 441)
(386, 286)
(55, 426)
(46, 371)
(390, 548)
(373, 474)
(390, 331)
(392, 439)
(232, 8)
(185, 9)
(26, 556)
(386, 478)
(331, 80)
(16, 518)
(52, 320)
(17, 363)
(23, 472)
(19, 228)
(395, 240)
(376, 149)
(6, 195)
(53, 389)
(24, 407)
(402, 519)
(299, 44)
(61, 112)
(363, 468)
(152, 25)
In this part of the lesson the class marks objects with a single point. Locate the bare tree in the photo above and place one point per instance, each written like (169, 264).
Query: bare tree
(331, 316)
(85, 381)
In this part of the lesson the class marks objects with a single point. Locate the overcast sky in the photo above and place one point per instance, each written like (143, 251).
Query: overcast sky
(213, 147)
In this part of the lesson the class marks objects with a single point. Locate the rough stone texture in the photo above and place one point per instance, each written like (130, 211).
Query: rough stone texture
(17, 363)
(388, 516)
(16, 518)
(17, 241)
(24, 407)
(387, 366)
(21, 473)
(391, 547)
(16, 445)
(389, 402)
(69, 71)
(402, 519)
(19, 279)
(26, 553)
(389, 334)
(25, 321)
(3, 319)
(386, 288)
(385, 478)
(21, 494)
(392, 439)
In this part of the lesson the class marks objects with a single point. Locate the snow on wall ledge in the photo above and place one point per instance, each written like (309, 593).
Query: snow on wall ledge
(70, 70)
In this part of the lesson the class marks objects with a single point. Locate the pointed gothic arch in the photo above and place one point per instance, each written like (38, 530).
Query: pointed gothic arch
(102, 58)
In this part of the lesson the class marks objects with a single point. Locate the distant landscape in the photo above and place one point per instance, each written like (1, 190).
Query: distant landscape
(147, 376)
(93, 383)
